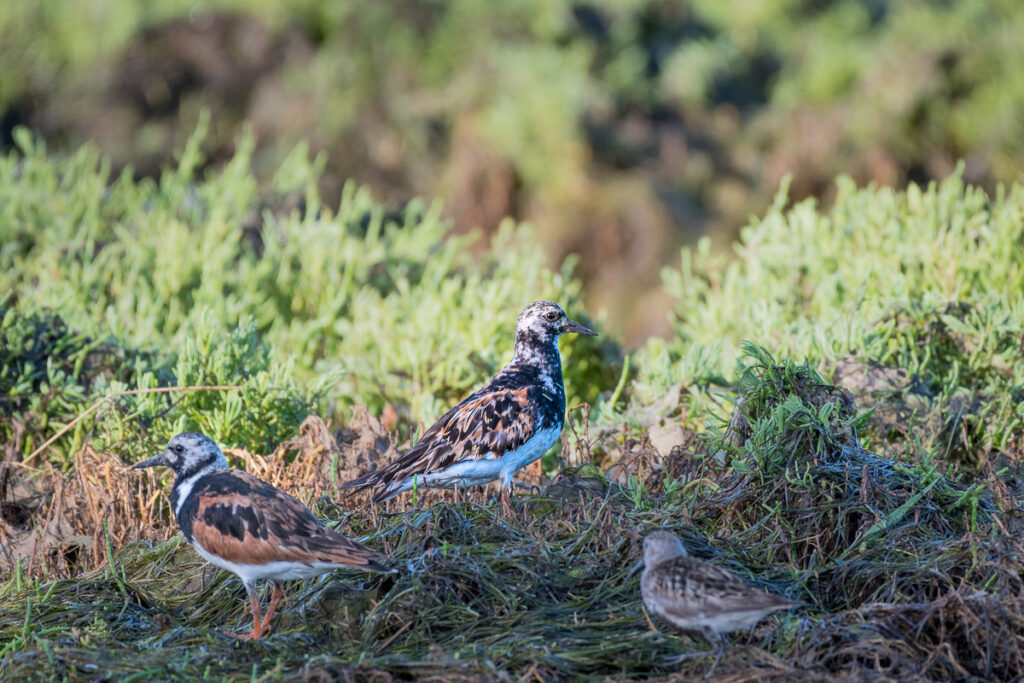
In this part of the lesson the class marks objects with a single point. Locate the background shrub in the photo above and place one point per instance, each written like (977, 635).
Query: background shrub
(921, 292)
(208, 281)
(621, 129)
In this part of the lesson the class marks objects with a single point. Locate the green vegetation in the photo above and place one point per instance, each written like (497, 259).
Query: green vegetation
(210, 282)
(859, 451)
(922, 290)
(836, 414)
(599, 122)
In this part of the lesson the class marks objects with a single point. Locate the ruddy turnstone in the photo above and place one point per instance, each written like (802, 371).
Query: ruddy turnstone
(247, 526)
(693, 595)
(497, 430)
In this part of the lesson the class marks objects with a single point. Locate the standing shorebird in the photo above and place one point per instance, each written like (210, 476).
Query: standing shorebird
(693, 595)
(497, 430)
(245, 525)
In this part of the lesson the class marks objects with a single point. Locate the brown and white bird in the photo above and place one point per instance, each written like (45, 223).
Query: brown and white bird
(245, 525)
(693, 595)
(498, 429)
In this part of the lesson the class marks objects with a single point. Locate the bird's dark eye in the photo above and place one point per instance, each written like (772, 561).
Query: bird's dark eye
(178, 448)
(551, 315)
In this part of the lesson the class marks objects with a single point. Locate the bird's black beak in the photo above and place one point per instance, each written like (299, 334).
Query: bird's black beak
(156, 461)
(636, 568)
(571, 326)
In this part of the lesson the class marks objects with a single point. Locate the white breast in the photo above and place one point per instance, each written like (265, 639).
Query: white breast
(488, 468)
(279, 570)
(538, 444)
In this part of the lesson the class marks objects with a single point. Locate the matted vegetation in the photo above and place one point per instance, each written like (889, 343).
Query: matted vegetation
(824, 462)
(907, 571)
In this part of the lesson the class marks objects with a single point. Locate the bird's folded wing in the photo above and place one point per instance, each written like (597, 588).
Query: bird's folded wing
(689, 587)
(487, 424)
(247, 521)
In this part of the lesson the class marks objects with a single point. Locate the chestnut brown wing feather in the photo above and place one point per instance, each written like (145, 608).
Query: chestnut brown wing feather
(248, 521)
(489, 422)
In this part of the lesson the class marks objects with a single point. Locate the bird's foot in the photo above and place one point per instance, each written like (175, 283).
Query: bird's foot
(508, 504)
(258, 627)
(719, 644)
(253, 634)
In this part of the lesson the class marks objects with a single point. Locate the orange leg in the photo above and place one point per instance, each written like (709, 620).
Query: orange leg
(506, 500)
(275, 598)
(257, 626)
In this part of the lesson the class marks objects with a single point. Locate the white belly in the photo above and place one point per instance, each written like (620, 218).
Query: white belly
(719, 622)
(279, 571)
(488, 468)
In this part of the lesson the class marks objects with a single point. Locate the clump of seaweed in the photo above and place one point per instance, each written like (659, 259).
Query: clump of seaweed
(805, 486)
(859, 530)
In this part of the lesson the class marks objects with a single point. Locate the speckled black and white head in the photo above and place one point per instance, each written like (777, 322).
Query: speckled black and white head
(661, 546)
(537, 331)
(190, 455)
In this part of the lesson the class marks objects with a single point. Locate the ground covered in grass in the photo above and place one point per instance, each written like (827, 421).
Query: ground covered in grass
(862, 454)
(906, 570)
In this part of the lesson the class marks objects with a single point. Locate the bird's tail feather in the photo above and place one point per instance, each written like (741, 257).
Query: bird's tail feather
(356, 556)
(388, 492)
(360, 483)
(376, 479)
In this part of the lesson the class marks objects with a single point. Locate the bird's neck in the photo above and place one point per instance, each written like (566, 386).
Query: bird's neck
(186, 480)
(542, 353)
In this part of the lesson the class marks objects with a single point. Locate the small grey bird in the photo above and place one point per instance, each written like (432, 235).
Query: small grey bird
(693, 595)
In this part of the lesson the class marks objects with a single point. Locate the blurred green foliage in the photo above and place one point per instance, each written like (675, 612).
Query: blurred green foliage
(925, 285)
(208, 281)
(117, 284)
(606, 123)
